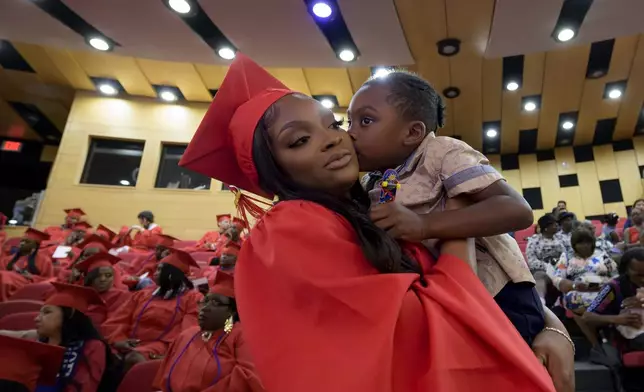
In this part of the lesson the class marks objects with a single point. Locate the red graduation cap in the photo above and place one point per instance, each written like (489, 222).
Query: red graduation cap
(163, 240)
(102, 230)
(96, 241)
(74, 212)
(180, 259)
(224, 284)
(36, 235)
(222, 146)
(223, 217)
(97, 260)
(231, 248)
(73, 296)
(240, 224)
(82, 225)
(29, 362)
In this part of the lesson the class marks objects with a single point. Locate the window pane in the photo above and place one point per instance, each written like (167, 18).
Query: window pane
(113, 162)
(172, 176)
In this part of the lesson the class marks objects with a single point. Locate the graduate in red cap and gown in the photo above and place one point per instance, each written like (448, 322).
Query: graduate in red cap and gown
(211, 357)
(99, 273)
(91, 245)
(63, 322)
(105, 232)
(351, 308)
(24, 364)
(146, 265)
(27, 266)
(209, 241)
(144, 327)
(225, 263)
(59, 233)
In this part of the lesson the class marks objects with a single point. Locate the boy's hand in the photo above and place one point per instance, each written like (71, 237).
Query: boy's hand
(398, 221)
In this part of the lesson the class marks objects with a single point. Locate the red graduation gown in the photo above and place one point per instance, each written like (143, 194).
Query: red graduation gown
(90, 368)
(158, 324)
(344, 327)
(196, 369)
(57, 233)
(11, 281)
(210, 237)
(142, 241)
(113, 299)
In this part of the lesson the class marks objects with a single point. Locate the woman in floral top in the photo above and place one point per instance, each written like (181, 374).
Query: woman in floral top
(545, 248)
(581, 276)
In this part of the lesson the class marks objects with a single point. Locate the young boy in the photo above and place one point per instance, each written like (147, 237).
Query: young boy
(392, 120)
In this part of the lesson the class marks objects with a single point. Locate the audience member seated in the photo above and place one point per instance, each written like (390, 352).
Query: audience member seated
(144, 266)
(545, 249)
(73, 239)
(210, 240)
(581, 276)
(609, 227)
(63, 322)
(99, 273)
(59, 233)
(618, 304)
(143, 232)
(26, 364)
(634, 232)
(89, 246)
(105, 232)
(639, 203)
(144, 327)
(225, 263)
(562, 206)
(212, 356)
(28, 265)
(565, 221)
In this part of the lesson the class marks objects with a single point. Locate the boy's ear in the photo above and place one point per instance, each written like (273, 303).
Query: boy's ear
(415, 132)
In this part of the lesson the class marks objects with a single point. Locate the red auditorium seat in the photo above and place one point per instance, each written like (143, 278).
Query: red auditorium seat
(621, 222)
(598, 227)
(140, 378)
(19, 321)
(523, 246)
(130, 257)
(13, 307)
(203, 257)
(522, 235)
(33, 292)
(633, 359)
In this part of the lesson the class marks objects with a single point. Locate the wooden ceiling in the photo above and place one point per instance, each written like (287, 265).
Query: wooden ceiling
(488, 31)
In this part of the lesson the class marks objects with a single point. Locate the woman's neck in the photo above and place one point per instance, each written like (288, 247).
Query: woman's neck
(54, 340)
(548, 236)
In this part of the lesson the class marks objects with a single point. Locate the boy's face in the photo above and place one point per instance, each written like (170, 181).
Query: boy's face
(377, 129)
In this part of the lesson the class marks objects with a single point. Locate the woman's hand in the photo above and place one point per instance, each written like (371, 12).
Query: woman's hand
(629, 319)
(126, 345)
(556, 354)
(398, 221)
(633, 303)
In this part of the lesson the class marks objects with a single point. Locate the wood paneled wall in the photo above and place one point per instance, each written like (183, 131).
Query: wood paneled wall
(593, 180)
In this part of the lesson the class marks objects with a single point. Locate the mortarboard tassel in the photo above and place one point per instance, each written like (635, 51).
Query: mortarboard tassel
(248, 205)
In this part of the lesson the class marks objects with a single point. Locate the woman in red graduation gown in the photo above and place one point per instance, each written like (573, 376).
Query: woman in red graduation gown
(98, 272)
(145, 326)
(211, 357)
(146, 265)
(26, 363)
(225, 263)
(209, 241)
(352, 309)
(27, 266)
(59, 233)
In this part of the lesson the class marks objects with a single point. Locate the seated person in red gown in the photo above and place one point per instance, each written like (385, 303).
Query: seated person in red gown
(143, 232)
(26, 364)
(98, 272)
(144, 327)
(105, 232)
(145, 265)
(73, 239)
(211, 357)
(225, 263)
(63, 322)
(329, 301)
(209, 241)
(88, 247)
(59, 233)
(27, 266)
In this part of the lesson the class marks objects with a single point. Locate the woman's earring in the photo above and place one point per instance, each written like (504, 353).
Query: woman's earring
(228, 325)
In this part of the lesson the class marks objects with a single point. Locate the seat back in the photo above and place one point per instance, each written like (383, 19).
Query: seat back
(34, 292)
(19, 321)
(141, 377)
(21, 306)
(522, 235)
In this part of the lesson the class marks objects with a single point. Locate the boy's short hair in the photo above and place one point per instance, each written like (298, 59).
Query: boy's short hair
(413, 97)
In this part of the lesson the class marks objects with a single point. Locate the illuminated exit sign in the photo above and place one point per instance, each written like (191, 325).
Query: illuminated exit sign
(8, 145)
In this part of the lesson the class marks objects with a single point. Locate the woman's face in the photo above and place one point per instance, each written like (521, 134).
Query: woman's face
(550, 229)
(157, 274)
(584, 249)
(86, 254)
(636, 216)
(227, 261)
(636, 272)
(309, 145)
(27, 245)
(639, 204)
(213, 312)
(105, 279)
(161, 251)
(49, 321)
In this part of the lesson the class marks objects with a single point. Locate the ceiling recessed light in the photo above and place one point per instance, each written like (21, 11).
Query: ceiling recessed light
(567, 125)
(327, 103)
(614, 93)
(449, 46)
(124, 182)
(322, 10)
(512, 86)
(565, 34)
(491, 133)
(451, 92)
(347, 55)
(107, 89)
(381, 72)
(530, 106)
(168, 96)
(180, 6)
(99, 44)
(226, 53)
